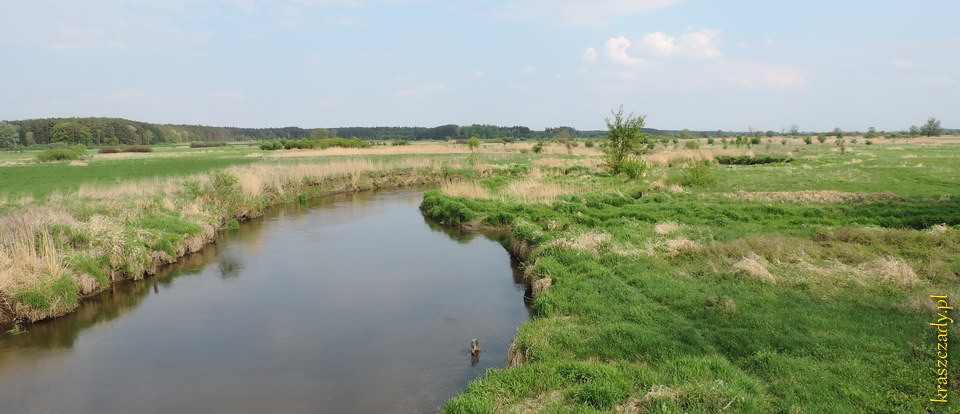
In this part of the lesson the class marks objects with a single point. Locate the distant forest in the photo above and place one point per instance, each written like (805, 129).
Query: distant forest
(116, 131)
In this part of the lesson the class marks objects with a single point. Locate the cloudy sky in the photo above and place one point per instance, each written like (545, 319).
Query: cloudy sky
(698, 64)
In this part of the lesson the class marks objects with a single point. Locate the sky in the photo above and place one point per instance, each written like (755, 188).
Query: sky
(696, 64)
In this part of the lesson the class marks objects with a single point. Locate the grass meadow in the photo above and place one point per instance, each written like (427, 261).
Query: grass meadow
(798, 287)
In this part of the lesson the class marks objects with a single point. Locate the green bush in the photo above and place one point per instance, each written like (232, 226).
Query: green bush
(75, 152)
(400, 142)
(272, 145)
(691, 144)
(633, 168)
(699, 174)
(752, 160)
(207, 144)
(538, 147)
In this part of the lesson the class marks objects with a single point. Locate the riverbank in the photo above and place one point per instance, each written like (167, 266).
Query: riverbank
(674, 294)
(78, 244)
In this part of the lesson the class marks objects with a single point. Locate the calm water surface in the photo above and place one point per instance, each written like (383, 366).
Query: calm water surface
(348, 304)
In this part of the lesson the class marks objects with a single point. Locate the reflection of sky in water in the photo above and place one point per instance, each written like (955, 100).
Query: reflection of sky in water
(357, 305)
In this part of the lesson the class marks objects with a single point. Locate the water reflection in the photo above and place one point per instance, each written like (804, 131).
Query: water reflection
(351, 303)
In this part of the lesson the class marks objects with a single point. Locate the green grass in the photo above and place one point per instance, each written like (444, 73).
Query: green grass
(688, 331)
(39, 180)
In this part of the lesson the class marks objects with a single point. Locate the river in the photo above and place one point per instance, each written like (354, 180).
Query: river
(351, 303)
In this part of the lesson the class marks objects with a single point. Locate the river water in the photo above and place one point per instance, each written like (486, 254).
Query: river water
(344, 304)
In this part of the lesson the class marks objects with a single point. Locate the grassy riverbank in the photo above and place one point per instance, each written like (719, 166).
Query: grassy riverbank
(78, 243)
(790, 287)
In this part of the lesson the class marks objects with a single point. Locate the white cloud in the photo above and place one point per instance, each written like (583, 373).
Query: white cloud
(583, 13)
(557, 76)
(476, 74)
(768, 41)
(703, 43)
(589, 55)
(758, 75)
(529, 70)
(428, 89)
(616, 49)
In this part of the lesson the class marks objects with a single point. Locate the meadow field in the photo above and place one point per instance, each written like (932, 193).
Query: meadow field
(696, 285)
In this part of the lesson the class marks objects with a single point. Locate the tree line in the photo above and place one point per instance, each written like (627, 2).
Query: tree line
(117, 131)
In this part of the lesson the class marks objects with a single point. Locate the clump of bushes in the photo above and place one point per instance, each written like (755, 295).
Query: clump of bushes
(74, 152)
(691, 145)
(207, 144)
(400, 142)
(752, 160)
(278, 144)
(138, 148)
(271, 145)
(109, 150)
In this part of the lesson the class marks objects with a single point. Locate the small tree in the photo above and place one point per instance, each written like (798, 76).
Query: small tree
(807, 140)
(8, 135)
(931, 128)
(794, 129)
(842, 143)
(319, 133)
(822, 138)
(473, 143)
(625, 137)
(771, 134)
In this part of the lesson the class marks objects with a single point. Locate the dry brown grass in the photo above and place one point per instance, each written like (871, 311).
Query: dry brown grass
(536, 190)
(679, 245)
(890, 269)
(810, 196)
(687, 156)
(754, 267)
(656, 394)
(666, 227)
(135, 188)
(591, 242)
(28, 254)
(468, 189)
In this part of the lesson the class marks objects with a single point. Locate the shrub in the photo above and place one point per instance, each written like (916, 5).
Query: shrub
(400, 142)
(538, 147)
(588, 143)
(138, 148)
(697, 175)
(271, 145)
(75, 152)
(710, 141)
(691, 145)
(749, 160)
(109, 150)
(807, 140)
(633, 168)
(207, 144)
